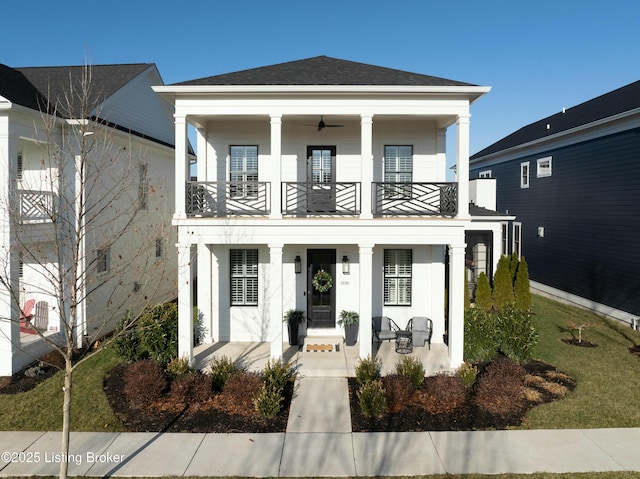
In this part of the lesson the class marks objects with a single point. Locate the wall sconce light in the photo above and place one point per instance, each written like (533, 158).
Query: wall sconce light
(297, 262)
(346, 269)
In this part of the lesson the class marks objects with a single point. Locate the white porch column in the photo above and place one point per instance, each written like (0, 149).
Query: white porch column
(462, 166)
(205, 290)
(456, 305)
(185, 302)
(275, 310)
(182, 166)
(365, 259)
(275, 166)
(366, 149)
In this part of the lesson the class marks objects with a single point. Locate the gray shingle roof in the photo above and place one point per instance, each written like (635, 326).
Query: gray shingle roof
(323, 70)
(615, 102)
(32, 86)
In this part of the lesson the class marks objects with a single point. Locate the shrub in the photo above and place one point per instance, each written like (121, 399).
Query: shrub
(500, 388)
(480, 336)
(239, 392)
(277, 374)
(411, 367)
(442, 394)
(191, 388)
(222, 368)
(517, 336)
(468, 374)
(179, 367)
(145, 382)
(483, 293)
(398, 391)
(371, 398)
(521, 287)
(268, 402)
(127, 341)
(368, 369)
(158, 332)
(503, 285)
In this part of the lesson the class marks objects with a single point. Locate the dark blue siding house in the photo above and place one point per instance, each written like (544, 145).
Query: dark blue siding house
(573, 182)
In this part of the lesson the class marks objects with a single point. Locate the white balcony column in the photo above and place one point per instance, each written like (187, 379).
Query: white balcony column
(181, 166)
(202, 162)
(365, 260)
(366, 149)
(206, 289)
(462, 166)
(441, 149)
(275, 166)
(456, 305)
(275, 313)
(185, 302)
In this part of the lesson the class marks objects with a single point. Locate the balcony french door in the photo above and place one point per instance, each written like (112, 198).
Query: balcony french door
(321, 173)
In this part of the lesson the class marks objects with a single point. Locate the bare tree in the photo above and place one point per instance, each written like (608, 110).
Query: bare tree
(89, 229)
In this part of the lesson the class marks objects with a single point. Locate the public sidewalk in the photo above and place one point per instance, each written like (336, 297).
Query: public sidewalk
(318, 442)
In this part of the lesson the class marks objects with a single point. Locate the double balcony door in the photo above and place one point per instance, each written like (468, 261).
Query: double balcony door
(321, 174)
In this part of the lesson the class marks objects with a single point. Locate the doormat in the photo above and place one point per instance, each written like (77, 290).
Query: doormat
(322, 348)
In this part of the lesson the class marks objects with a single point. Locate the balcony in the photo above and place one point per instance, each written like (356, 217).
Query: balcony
(35, 206)
(415, 199)
(228, 198)
(319, 199)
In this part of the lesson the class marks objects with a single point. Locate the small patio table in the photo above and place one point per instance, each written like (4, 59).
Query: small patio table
(404, 342)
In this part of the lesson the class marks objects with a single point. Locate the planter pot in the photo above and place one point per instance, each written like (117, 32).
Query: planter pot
(351, 334)
(293, 333)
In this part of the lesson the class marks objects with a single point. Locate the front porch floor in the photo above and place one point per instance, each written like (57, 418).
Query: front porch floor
(321, 364)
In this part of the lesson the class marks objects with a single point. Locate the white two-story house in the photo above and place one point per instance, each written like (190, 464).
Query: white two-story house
(86, 186)
(323, 165)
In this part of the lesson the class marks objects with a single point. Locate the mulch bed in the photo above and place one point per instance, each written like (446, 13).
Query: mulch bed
(469, 416)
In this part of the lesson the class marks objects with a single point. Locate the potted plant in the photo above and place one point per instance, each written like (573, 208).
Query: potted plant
(349, 320)
(294, 319)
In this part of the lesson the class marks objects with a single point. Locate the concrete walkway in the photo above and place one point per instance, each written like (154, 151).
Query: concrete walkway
(319, 442)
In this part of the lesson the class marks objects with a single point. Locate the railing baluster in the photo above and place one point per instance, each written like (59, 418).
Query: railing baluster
(416, 199)
(321, 199)
(225, 198)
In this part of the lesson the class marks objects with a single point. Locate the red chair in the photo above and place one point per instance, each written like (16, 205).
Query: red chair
(25, 316)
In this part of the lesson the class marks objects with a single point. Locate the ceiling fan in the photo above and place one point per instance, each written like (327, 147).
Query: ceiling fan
(322, 125)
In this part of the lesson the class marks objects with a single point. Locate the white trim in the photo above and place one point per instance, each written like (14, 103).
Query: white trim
(569, 298)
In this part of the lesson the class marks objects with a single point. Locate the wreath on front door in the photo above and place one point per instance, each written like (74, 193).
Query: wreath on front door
(322, 281)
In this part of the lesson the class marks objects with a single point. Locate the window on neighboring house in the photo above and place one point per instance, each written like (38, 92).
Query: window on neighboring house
(243, 171)
(543, 167)
(103, 260)
(524, 175)
(143, 186)
(244, 277)
(485, 174)
(20, 167)
(21, 264)
(505, 239)
(517, 239)
(159, 248)
(397, 276)
(398, 168)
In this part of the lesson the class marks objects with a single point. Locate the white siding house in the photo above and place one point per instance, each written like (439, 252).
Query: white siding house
(322, 164)
(128, 141)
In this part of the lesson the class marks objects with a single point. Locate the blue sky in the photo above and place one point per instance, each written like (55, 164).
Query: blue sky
(538, 56)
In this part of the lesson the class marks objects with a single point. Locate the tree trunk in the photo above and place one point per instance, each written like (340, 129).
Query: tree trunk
(66, 414)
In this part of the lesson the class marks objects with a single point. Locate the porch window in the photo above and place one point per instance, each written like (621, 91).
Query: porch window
(244, 277)
(397, 277)
(517, 239)
(398, 168)
(243, 170)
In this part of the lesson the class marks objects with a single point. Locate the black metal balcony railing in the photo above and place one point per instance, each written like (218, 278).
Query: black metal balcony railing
(408, 199)
(223, 198)
(321, 199)
(35, 206)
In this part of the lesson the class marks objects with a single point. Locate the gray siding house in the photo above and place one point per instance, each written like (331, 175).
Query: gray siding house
(572, 181)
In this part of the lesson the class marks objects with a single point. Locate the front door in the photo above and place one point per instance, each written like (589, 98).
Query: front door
(321, 269)
(321, 172)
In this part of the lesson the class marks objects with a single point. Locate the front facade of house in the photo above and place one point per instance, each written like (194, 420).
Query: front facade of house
(571, 179)
(321, 187)
(126, 135)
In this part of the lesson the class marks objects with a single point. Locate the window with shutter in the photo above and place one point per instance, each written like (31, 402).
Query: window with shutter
(244, 277)
(397, 276)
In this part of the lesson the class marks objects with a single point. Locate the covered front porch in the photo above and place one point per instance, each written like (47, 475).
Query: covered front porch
(339, 363)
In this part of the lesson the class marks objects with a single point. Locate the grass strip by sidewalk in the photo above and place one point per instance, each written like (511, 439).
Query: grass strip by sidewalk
(41, 408)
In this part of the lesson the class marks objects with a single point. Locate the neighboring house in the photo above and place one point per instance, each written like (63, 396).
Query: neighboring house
(323, 165)
(572, 180)
(128, 133)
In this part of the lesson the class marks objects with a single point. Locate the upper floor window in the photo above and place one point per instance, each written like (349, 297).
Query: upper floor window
(485, 174)
(143, 186)
(397, 276)
(159, 248)
(243, 170)
(103, 260)
(524, 175)
(244, 277)
(543, 167)
(398, 168)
